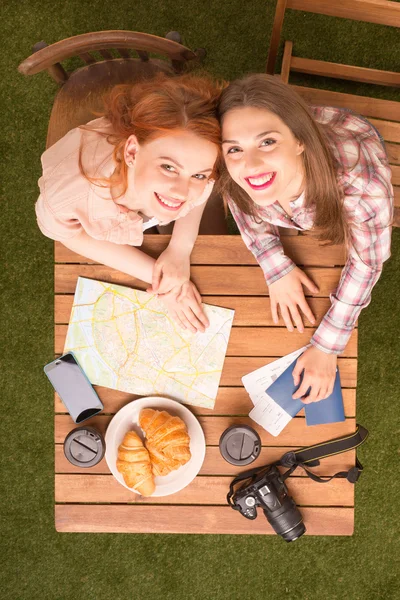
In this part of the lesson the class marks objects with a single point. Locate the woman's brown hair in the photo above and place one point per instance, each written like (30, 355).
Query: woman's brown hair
(157, 107)
(321, 188)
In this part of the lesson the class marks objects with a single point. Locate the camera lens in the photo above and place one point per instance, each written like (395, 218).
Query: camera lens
(296, 532)
(287, 521)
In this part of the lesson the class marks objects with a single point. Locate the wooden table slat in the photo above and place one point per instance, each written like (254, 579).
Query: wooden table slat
(229, 250)
(202, 490)
(230, 401)
(250, 311)
(213, 428)
(248, 341)
(235, 367)
(214, 464)
(210, 280)
(188, 519)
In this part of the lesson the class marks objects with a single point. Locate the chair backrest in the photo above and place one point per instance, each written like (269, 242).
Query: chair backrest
(383, 114)
(109, 58)
(102, 42)
(383, 12)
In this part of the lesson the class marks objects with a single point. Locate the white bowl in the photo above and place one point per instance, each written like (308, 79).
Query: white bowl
(127, 419)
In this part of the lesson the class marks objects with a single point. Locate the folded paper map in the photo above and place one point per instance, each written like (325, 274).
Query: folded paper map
(125, 340)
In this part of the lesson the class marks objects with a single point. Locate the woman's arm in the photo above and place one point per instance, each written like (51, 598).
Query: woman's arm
(173, 265)
(127, 259)
(183, 302)
(284, 279)
(370, 237)
(369, 247)
(186, 230)
(263, 241)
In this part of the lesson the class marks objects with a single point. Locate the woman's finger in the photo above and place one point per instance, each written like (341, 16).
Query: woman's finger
(330, 389)
(296, 318)
(156, 277)
(197, 294)
(307, 310)
(297, 371)
(167, 284)
(313, 395)
(303, 389)
(274, 311)
(175, 317)
(305, 280)
(199, 313)
(286, 317)
(323, 393)
(190, 320)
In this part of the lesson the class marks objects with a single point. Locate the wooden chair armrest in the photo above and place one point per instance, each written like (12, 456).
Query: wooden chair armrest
(102, 40)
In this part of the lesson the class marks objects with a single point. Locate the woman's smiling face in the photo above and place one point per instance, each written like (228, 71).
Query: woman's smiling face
(169, 172)
(262, 155)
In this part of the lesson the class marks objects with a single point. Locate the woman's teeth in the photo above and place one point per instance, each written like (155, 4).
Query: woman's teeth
(260, 180)
(167, 202)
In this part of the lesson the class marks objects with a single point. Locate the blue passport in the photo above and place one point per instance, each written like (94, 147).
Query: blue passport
(329, 410)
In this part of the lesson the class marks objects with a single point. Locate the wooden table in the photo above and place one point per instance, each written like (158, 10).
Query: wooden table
(91, 500)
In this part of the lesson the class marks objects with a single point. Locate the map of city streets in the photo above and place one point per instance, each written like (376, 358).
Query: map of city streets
(125, 340)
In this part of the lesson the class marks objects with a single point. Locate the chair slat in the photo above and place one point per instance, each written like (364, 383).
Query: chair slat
(339, 71)
(287, 62)
(124, 53)
(382, 12)
(87, 58)
(395, 177)
(106, 54)
(364, 105)
(389, 130)
(393, 151)
(142, 55)
(187, 519)
(275, 36)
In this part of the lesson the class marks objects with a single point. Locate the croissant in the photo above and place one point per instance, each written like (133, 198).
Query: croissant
(134, 464)
(167, 440)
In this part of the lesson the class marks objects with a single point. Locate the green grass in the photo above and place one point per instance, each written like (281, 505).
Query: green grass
(38, 563)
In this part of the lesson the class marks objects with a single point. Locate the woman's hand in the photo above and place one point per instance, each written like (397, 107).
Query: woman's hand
(288, 294)
(184, 307)
(319, 375)
(171, 270)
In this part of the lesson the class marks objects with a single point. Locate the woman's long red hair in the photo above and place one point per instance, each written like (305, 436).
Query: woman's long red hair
(157, 107)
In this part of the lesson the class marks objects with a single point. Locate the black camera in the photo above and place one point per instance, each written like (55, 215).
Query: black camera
(267, 489)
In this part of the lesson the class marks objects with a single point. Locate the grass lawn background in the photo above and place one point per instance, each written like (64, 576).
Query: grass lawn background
(38, 563)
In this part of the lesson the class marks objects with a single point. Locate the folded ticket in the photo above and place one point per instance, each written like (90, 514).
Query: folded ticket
(266, 412)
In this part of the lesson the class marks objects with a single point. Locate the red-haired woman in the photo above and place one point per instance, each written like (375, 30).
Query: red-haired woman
(150, 160)
(322, 169)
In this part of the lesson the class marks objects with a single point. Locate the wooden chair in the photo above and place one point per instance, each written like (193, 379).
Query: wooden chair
(108, 60)
(111, 58)
(383, 114)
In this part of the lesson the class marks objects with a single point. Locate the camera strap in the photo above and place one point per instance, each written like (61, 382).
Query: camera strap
(310, 456)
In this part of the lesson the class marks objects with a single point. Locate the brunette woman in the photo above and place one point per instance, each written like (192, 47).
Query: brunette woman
(321, 169)
(151, 159)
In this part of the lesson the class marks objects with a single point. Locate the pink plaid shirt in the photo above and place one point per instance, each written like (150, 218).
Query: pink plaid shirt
(368, 203)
